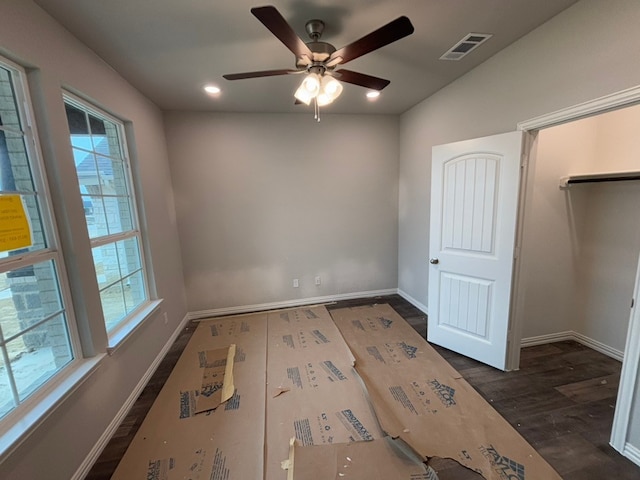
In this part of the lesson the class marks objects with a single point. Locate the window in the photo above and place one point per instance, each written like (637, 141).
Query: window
(106, 187)
(37, 341)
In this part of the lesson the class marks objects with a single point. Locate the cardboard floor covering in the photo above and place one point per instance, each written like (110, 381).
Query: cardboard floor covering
(294, 378)
(227, 443)
(419, 398)
(291, 374)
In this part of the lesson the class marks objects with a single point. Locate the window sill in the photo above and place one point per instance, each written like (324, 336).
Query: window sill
(44, 404)
(124, 331)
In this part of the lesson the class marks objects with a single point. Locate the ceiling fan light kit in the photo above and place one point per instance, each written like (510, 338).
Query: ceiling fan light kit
(319, 60)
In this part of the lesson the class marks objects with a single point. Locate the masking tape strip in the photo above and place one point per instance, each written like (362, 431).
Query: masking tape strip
(228, 387)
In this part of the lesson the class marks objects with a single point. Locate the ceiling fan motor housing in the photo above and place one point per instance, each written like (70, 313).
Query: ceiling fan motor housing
(321, 50)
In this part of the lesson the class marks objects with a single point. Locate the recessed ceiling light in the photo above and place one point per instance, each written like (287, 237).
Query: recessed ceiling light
(373, 94)
(212, 89)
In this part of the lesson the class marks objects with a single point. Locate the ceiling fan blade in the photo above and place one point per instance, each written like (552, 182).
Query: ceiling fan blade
(263, 73)
(392, 31)
(271, 18)
(361, 79)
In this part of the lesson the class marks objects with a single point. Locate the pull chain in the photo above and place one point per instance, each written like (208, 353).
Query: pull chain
(316, 110)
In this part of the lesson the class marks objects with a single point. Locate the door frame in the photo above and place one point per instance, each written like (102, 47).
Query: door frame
(631, 360)
(628, 379)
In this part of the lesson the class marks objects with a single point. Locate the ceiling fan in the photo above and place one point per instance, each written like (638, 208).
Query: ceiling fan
(320, 59)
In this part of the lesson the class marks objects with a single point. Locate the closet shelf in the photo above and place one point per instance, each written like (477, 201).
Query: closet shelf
(566, 182)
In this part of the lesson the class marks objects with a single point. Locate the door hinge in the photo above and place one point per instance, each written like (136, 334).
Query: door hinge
(633, 301)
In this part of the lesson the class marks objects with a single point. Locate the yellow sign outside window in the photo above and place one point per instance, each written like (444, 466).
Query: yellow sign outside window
(15, 227)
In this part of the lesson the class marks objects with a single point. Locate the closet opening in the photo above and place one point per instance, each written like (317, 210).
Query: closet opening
(580, 247)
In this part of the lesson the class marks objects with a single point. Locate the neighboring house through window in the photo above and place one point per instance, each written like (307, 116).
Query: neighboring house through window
(106, 186)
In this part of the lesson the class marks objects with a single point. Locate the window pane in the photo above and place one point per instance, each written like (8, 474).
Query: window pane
(15, 172)
(34, 362)
(113, 305)
(7, 402)
(119, 179)
(32, 210)
(118, 214)
(105, 259)
(86, 166)
(27, 296)
(97, 126)
(8, 105)
(16, 176)
(37, 230)
(36, 348)
(120, 278)
(129, 256)
(77, 121)
(135, 293)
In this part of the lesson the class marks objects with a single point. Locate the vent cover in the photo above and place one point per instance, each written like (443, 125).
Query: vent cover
(470, 42)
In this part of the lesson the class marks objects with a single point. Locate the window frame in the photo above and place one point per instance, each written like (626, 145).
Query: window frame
(150, 304)
(18, 422)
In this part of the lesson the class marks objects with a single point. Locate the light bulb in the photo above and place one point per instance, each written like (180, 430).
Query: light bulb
(323, 99)
(308, 89)
(312, 83)
(211, 89)
(330, 88)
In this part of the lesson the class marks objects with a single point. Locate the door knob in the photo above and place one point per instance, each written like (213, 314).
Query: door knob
(434, 261)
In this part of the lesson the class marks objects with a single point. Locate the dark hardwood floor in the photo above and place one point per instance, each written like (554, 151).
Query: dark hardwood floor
(561, 401)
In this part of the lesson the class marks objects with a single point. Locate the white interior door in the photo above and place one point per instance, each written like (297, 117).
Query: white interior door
(474, 205)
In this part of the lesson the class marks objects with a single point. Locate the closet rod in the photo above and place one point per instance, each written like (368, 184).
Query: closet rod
(565, 182)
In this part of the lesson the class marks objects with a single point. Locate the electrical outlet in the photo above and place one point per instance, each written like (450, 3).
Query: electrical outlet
(318, 280)
(296, 283)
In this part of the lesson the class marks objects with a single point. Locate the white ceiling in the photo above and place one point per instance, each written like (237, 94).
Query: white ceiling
(169, 49)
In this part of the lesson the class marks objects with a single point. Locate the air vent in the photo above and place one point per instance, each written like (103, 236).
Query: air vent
(465, 46)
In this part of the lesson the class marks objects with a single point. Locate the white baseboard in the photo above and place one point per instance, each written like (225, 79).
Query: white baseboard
(578, 337)
(420, 306)
(549, 338)
(599, 346)
(97, 449)
(632, 453)
(259, 307)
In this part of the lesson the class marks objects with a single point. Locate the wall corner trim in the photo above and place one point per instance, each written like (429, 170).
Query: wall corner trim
(632, 453)
(102, 442)
(577, 337)
(419, 305)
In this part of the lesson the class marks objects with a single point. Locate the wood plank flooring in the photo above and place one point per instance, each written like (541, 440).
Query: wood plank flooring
(561, 401)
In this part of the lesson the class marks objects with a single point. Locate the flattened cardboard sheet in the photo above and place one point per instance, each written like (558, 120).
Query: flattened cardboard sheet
(422, 400)
(314, 394)
(375, 460)
(174, 442)
(217, 379)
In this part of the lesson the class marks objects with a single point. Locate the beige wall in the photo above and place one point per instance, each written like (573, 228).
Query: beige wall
(55, 59)
(547, 70)
(553, 238)
(577, 56)
(581, 245)
(263, 199)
